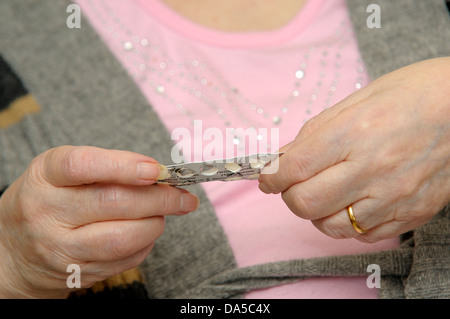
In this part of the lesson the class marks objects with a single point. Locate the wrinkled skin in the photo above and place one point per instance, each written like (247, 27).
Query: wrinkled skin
(99, 209)
(385, 150)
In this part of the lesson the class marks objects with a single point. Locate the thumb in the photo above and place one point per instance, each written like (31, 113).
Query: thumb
(80, 165)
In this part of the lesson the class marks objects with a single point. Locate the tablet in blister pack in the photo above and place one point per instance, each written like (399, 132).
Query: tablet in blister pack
(231, 169)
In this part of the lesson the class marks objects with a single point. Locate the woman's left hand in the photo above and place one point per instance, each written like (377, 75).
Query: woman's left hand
(384, 150)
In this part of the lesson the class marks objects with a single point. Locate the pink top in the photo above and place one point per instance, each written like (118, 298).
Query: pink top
(272, 80)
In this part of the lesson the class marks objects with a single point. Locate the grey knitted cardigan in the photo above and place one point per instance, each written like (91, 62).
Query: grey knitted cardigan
(87, 98)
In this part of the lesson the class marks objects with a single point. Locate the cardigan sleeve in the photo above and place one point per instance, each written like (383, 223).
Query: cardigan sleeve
(17, 104)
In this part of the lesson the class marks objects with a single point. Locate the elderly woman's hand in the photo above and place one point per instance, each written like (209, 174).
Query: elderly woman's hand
(97, 208)
(385, 150)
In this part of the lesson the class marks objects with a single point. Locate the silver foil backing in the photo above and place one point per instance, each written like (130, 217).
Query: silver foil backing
(225, 170)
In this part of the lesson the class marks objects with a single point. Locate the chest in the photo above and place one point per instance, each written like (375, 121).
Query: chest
(237, 15)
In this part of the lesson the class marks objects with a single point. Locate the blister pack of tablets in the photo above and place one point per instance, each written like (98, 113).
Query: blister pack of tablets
(231, 169)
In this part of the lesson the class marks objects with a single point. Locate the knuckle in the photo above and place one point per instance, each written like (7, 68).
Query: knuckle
(292, 170)
(37, 171)
(75, 164)
(300, 166)
(269, 182)
(78, 164)
(329, 228)
(169, 201)
(363, 123)
(118, 243)
(111, 199)
(361, 127)
(406, 187)
(300, 203)
(309, 127)
(407, 215)
(399, 188)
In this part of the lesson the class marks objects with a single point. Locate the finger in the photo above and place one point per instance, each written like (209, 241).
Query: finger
(397, 221)
(327, 115)
(101, 202)
(324, 146)
(93, 272)
(308, 128)
(327, 146)
(72, 166)
(369, 213)
(285, 148)
(327, 192)
(388, 230)
(112, 240)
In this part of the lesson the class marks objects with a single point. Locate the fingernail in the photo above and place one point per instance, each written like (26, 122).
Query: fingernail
(148, 171)
(188, 202)
(163, 172)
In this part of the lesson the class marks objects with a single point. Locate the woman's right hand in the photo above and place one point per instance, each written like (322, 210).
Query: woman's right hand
(96, 208)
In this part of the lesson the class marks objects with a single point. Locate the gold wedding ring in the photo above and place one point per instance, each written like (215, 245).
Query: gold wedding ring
(355, 224)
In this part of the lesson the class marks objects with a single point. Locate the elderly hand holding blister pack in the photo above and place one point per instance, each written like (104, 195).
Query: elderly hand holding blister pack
(97, 208)
(378, 161)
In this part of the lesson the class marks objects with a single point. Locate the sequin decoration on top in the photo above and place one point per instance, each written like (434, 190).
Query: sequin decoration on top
(231, 169)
